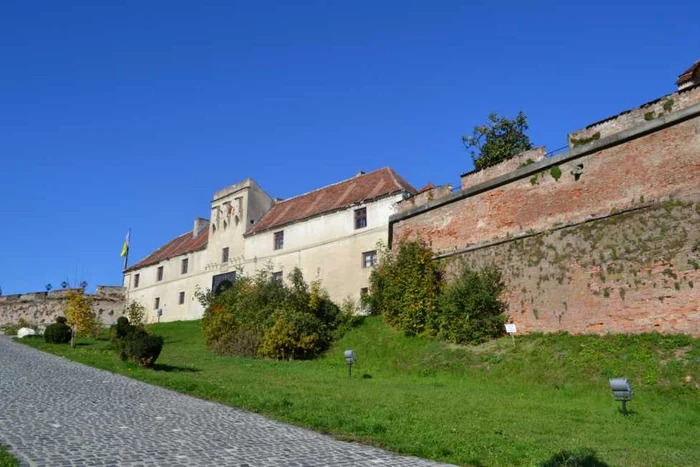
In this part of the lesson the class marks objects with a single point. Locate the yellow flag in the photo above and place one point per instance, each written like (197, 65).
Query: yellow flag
(125, 248)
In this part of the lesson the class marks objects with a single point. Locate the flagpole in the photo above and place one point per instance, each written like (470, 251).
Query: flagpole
(128, 247)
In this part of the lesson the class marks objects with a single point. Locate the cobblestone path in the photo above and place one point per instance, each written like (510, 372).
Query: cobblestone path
(54, 412)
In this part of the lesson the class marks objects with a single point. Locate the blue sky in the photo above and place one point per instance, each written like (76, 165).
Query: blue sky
(133, 114)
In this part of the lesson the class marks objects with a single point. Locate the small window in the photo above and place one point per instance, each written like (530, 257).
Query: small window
(279, 240)
(181, 300)
(364, 291)
(159, 274)
(360, 218)
(224, 255)
(185, 265)
(369, 259)
(156, 305)
(277, 276)
(136, 280)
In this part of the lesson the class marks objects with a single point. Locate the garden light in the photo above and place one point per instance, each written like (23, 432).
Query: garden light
(349, 360)
(622, 391)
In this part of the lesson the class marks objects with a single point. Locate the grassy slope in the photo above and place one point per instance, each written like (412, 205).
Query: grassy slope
(490, 405)
(6, 459)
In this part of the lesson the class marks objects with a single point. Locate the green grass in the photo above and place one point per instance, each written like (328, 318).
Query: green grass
(6, 459)
(493, 404)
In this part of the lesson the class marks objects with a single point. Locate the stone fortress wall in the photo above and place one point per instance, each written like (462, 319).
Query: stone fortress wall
(602, 238)
(43, 307)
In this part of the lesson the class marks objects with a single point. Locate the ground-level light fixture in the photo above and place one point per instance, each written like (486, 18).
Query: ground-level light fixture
(349, 360)
(622, 391)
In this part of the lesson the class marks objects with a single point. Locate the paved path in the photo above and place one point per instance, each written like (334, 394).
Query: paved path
(54, 412)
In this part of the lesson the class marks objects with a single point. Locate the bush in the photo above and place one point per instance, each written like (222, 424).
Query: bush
(405, 288)
(262, 317)
(136, 313)
(470, 308)
(58, 332)
(143, 348)
(119, 330)
(408, 289)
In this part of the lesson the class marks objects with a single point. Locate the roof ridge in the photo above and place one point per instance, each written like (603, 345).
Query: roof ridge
(334, 184)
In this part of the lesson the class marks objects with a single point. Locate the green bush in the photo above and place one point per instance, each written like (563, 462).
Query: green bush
(408, 289)
(119, 330)
(405, 288)
(58, 332)
(143, 348)
(470, 307)
(261, 316)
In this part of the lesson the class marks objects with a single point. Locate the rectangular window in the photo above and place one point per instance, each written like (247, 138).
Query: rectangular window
(181, 301)
(369, 259)
(185, 265)
(360, 218)
(279, 240)
(156, 305)
(224, 255)
(277, 276)
(159, 274)
(364, 291)
(136, 280)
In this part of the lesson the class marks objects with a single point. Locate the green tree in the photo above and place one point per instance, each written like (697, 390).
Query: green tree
(498, 140)
(136, 313)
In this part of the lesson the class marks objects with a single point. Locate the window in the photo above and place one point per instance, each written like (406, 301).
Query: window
(364, 291)
(360, 218)
(224, 255)
(185, 265)
(277, 276)
(156, 305)
(369, 259)
(159, 275)
(182, 298)
(136, 280)
(279, 240)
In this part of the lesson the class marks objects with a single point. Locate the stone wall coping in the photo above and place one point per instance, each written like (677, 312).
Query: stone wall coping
(616, 139)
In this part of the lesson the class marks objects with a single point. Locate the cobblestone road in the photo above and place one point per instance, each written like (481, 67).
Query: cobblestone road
(54, 412)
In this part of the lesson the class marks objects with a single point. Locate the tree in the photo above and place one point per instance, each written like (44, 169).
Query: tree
(79, 314)
(136, 313)
(498, 140)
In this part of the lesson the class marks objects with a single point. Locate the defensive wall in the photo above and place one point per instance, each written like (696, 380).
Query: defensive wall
(602, 238)
(43, 307)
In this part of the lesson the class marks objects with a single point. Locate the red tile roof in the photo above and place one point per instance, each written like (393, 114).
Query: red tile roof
(427, 187)
(687, 75)
(185, 243)
(341, 195)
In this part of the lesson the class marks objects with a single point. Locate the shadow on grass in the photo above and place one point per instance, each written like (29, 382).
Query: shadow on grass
(174, 369)
(585, 457)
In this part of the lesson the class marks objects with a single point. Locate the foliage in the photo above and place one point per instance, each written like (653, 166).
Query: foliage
(6, 459)
(261, 316)
(11, 329)
(141, 347)
(498, 140)
(425, 396)
(580, 458)
(58, 332)
(471, 310)
(119, 330)
(79, 314)
(136, 312)
(405, 288)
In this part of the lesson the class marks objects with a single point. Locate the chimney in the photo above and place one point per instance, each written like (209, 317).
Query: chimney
(361, 172)
(199, 225)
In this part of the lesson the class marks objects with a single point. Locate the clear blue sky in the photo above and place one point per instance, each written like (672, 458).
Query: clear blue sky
(132, 115)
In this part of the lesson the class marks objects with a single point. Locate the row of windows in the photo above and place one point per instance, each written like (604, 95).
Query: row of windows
(180, 300)
(184, 268)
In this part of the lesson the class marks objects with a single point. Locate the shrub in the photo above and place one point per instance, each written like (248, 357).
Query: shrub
(143, 348)
(58, 332)
(78, 311)
(405, 288)
(471, 310)
(260, 316)
(119, 330)
(136, 313)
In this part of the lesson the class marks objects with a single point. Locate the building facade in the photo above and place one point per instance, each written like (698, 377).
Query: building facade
(331, 234)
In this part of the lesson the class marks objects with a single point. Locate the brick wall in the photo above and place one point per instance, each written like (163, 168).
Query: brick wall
(424, 197)
(471, 179)
(621, 172)
(43, 308)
